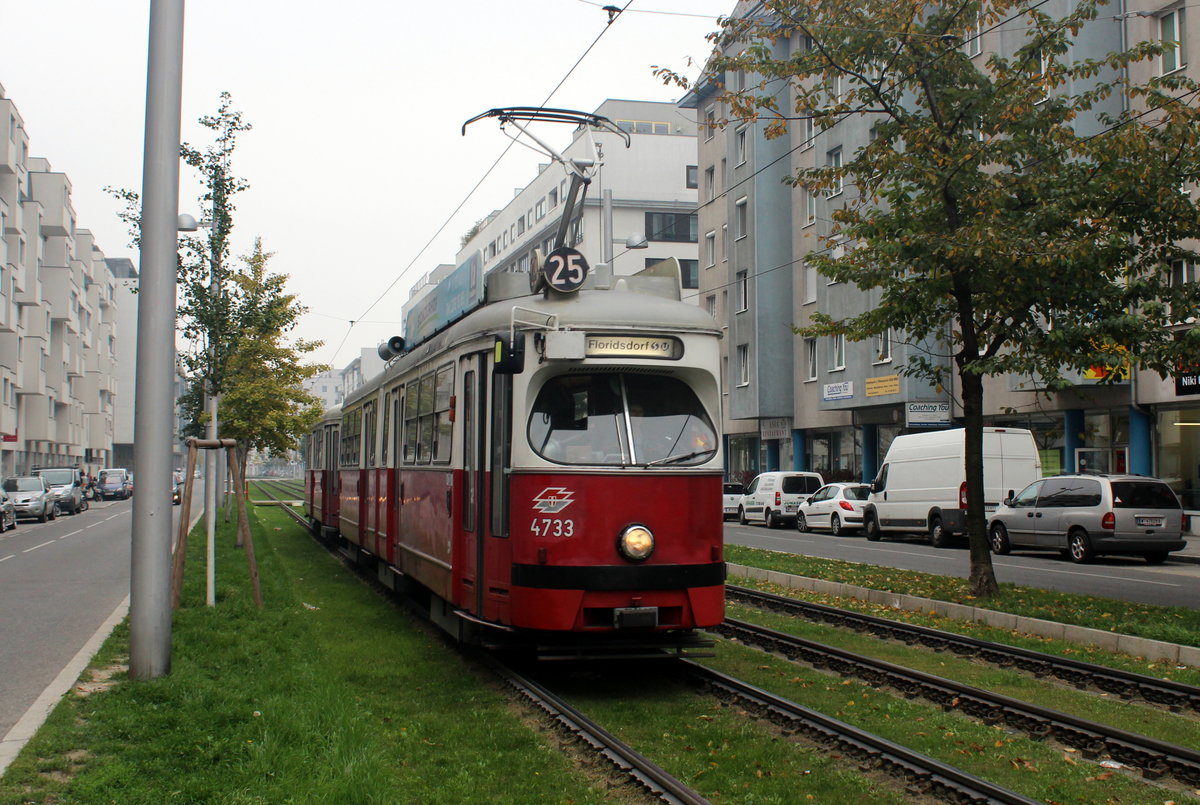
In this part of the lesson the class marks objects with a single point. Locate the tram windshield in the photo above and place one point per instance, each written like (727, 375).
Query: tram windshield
(620, 420)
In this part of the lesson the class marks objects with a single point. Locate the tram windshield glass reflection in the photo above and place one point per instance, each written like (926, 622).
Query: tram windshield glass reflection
(620, 420)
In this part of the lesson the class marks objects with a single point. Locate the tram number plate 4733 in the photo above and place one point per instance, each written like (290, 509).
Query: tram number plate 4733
(552, 527)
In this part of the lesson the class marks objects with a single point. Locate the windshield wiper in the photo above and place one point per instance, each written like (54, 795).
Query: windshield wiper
(658, 462)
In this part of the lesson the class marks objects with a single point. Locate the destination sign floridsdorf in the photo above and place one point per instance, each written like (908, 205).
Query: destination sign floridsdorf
(633, 346)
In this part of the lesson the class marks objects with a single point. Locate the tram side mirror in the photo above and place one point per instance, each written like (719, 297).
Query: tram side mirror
(510, 355)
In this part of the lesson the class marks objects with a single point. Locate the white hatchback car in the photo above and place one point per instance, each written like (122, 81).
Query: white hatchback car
(837, 508)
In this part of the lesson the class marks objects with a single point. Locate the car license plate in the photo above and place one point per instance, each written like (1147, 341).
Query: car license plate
(1149, 522)
(791, 508)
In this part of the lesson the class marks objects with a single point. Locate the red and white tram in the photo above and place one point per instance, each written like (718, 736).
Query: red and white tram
(548, 463)
(541, 464)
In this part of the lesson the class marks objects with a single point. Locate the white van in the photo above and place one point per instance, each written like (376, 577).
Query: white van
(922, 484)
(773, 497)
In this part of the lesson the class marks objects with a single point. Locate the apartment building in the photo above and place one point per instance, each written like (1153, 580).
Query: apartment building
(652, 185)
(828, 405)
(58, 344)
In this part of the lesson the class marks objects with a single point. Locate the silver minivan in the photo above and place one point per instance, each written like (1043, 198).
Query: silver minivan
(1084, 516)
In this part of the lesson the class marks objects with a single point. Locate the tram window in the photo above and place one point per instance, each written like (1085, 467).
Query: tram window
(369, 432)
(383, 440)
(618, 419)
(443, 427)
(410, 423)
(425, 418)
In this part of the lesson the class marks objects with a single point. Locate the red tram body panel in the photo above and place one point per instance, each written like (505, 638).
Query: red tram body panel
(569, 489)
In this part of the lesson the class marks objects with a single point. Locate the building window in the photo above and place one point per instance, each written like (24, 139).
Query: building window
(833, 160)
(837, 352)
(710, 124)
(809, 124)
(1184, 271)
(724, 242)
(689, 273)
(810, 359)
(692, 176)
(810, 206)
(973, 45)
(740, 140)
(539, 209)
(710, 305)
(673, 227)
(743, 291)
(553, 198)
(810, 284)
(710, 249)
(743, 364)
(1173, 31)
(710, 183)
(883, 347)
(741, 219)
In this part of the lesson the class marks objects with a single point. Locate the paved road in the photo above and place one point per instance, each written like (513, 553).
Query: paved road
(1176, 583)
(60, 581)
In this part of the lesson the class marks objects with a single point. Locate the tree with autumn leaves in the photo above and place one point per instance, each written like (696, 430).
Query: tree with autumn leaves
(1018, 209)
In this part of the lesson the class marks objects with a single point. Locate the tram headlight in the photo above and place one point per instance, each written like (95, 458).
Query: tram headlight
(636, 543)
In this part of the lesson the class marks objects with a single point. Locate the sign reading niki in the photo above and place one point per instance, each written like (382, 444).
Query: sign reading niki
(633, 346)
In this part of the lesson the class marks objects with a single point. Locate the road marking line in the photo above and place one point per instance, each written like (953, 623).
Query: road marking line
(10, 556)
(35, 547)
(73, 533)
(1077, 573)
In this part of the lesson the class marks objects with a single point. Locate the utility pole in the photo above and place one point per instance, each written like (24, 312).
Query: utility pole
(154, 421)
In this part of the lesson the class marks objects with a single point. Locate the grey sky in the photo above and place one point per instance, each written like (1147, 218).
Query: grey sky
(355, 159)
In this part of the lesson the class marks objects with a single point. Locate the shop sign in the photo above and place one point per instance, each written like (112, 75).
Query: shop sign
(838, 391)
(8, 437)
(927, 414)
(777, 428)
(879, 386)
(1186, 384)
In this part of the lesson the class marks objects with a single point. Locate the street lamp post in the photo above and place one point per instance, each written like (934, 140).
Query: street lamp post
(154, 425)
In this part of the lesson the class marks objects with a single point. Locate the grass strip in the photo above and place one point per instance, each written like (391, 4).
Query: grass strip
(327, 695)
(1171, 624)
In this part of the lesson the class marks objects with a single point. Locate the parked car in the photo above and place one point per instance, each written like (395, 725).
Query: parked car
(773, 497)
(114, 482)
(731, 496)
(837, 508)
(31, 497)
(67, 485)
(1084, 516)
(8, 512)
(922, 485)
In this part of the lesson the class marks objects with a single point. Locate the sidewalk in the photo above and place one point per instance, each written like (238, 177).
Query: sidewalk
(1190, 552)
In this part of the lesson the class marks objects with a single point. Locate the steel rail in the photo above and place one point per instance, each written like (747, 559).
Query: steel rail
(575, 725)
(1154, 758)
(1125, 684)
(920, 773)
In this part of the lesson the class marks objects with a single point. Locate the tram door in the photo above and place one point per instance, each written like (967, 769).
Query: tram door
(497, 558)
(330, 477)
(474, 445)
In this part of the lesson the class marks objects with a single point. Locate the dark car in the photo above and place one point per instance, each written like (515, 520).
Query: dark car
(114, 483)
(1084, 516)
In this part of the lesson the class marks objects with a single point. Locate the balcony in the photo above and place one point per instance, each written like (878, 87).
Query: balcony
(53, 190)
(35, 422)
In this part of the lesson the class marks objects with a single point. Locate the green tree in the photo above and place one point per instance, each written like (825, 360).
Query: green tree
(1018, 212)
(264, 406)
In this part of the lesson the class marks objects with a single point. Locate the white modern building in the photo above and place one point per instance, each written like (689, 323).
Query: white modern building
(652, 184)
(58, 340)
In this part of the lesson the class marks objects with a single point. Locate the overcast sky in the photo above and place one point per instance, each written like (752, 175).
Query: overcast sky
(356, 158)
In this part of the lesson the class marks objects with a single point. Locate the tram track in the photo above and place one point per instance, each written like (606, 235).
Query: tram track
(1153, 758)
(1083, 675)
(916, 772)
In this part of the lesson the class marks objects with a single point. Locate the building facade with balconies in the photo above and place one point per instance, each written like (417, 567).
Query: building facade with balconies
(828, 405)
(57, 309)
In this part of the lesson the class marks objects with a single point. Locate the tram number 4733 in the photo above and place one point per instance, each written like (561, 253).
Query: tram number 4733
(552, 527)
